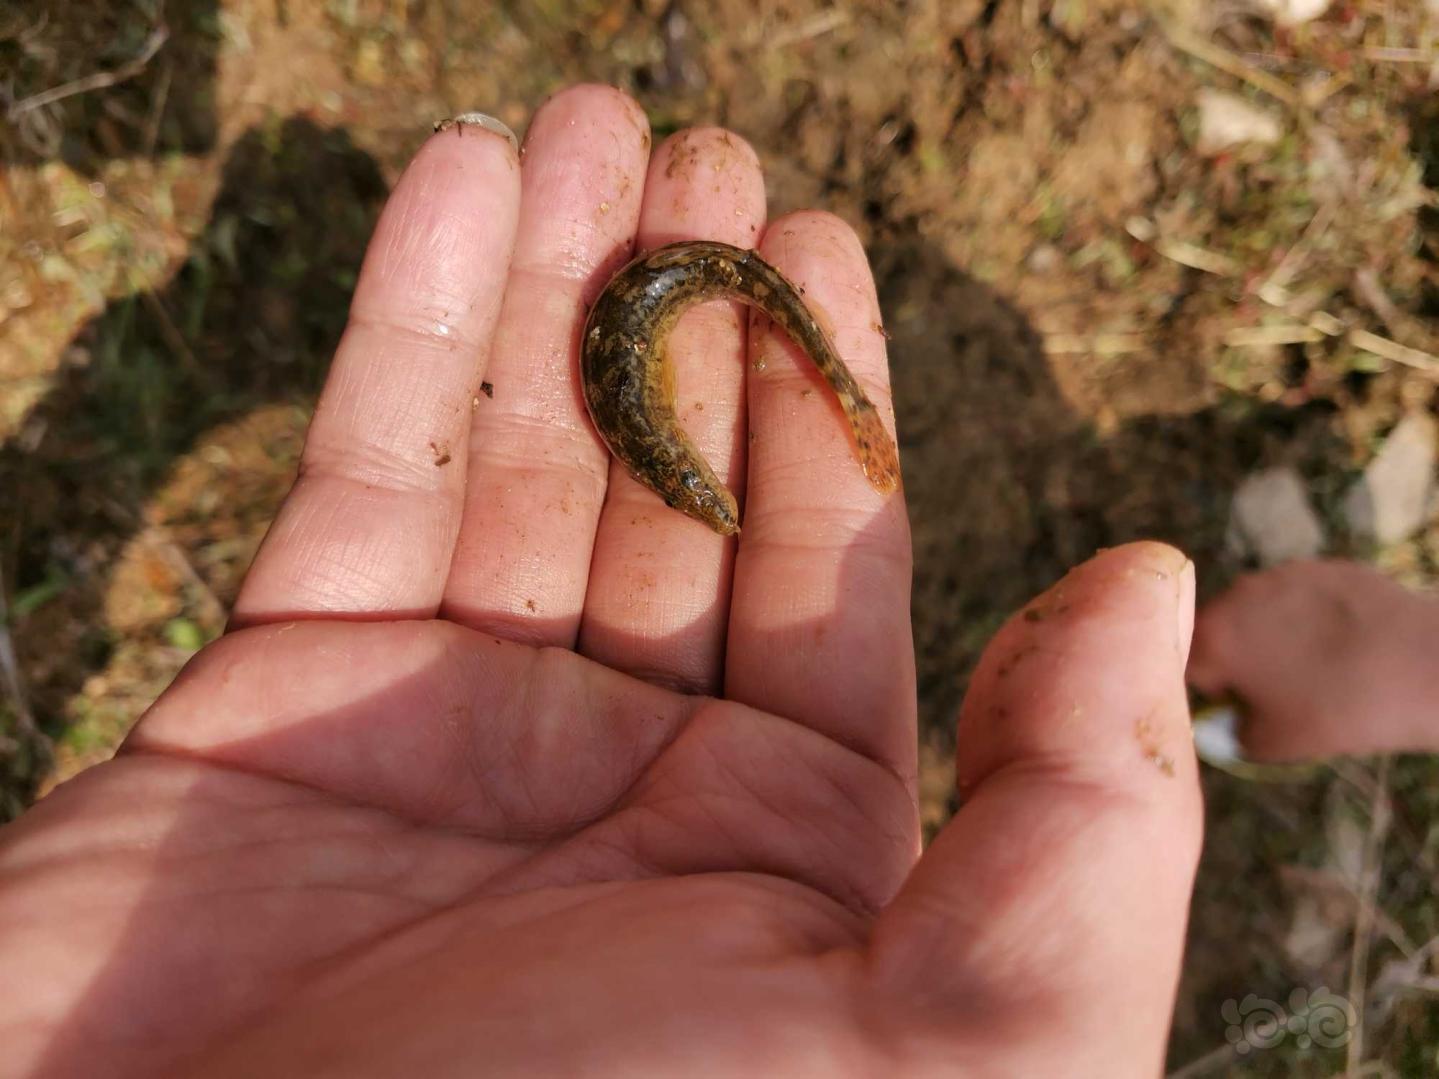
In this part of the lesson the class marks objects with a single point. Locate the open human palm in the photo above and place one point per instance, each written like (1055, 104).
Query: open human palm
(507, 769)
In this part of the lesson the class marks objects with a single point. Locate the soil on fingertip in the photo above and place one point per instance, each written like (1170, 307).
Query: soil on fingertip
(1097, 331)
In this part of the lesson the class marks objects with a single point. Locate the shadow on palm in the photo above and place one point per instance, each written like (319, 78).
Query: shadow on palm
(251, 318)
(363, 795)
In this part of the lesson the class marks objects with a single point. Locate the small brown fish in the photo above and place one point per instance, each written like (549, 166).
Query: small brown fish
(629, 383)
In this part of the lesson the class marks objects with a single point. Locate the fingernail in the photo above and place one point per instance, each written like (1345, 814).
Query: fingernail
(1185, 611)
(1216, 735)
(483, 121)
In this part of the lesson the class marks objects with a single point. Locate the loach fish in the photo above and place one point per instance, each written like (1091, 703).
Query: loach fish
(629, 383)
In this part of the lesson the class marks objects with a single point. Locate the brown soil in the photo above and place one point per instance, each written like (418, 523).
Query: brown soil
(176, 255)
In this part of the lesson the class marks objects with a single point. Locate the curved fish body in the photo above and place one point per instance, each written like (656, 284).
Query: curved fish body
(629, 383)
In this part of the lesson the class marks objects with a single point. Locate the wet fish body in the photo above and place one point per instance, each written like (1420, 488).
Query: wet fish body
(629, 383)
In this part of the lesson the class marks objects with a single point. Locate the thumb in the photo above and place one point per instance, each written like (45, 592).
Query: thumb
(1046, 923)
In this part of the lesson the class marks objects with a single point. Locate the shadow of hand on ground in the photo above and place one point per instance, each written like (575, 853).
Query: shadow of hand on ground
(87, 83)
(1008, 486)
(251, 318)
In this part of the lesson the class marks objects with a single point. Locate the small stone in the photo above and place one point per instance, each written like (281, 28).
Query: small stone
(1315, 932)
(1227, 120)
(1044, 259)
(1292, 12)
(368, 67)
(1393, 498)
(1272, 520)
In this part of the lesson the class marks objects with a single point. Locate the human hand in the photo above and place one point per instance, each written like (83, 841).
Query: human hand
(1325, 658)
(507, 769)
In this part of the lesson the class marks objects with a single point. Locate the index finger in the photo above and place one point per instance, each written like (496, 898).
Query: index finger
(370, 524)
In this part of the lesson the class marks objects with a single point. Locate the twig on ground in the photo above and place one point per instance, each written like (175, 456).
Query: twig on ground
(1368, 289)
(1181, 251)
(1218, 57)
(1297, 333)
(1429, 986)
(1275, 289)
(157, 109)
(174, 339)
(10, 674)
(1196, 257)
(1425, 951)
(212, 611)
(1384, 53)
(1103, 344)
(1394, 351)
(99, 80)
(1368, 890)
(806, 29)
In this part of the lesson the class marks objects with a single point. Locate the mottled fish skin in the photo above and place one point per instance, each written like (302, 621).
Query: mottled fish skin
(629, 384)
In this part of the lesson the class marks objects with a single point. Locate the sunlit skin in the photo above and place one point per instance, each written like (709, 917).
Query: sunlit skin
(507, 769)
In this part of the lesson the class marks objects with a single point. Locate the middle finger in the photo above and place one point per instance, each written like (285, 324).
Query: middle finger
(659, 590)
(537, 470)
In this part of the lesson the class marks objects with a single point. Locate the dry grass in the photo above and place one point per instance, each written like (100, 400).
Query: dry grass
(167, 302)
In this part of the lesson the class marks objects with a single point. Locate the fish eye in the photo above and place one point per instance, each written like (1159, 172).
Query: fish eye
(690, 478)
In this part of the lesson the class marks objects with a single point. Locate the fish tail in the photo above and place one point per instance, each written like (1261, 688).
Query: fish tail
(877, 454)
